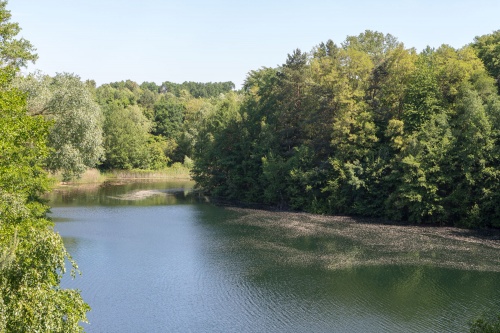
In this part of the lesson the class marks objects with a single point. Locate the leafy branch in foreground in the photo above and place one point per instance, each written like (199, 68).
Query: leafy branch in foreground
(32, 255)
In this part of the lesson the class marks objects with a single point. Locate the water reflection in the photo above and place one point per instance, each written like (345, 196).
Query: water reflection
(189, 266)
(155, 192)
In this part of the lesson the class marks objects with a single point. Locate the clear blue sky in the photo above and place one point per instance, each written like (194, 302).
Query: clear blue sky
(222, 40)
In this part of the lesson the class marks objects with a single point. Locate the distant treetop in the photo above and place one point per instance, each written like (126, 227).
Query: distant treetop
(198, 89)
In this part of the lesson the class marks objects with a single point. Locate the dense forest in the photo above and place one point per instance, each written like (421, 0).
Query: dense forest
(368, 127)
(120, 125)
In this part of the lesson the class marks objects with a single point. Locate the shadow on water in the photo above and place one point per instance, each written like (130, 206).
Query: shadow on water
(184, 265)
(351, 276)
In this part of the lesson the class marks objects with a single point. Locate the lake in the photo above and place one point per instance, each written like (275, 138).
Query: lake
(156, 258)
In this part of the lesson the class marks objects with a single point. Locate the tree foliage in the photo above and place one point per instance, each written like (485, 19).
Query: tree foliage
(488, 50)
(366, 128)
(14, 52)
(75, 138)
(197, 89)
(126, 138)
(175, 113)
(33, 256)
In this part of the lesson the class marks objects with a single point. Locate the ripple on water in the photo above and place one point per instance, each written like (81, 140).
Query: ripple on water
(199, 268)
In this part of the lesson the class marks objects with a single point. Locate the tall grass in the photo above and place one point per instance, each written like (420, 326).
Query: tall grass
(90, 176)
(93, 176)
(176, 171)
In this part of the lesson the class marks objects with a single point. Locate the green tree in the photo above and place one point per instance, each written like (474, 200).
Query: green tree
(217, 145)
(168, 117)
(147, 101)
(126, 138)
(372, 43)
(488, 50)
(454, 68)
(32, 258)
(368, 128)
(469, 163)
(76, 134)
(418, 174)
(14, 52)
(32, 255)
(423, 97)
(197, 89)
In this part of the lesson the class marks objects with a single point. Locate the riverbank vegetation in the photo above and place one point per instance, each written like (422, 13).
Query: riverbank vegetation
(121, 125)
(95, 176)
(367, 127)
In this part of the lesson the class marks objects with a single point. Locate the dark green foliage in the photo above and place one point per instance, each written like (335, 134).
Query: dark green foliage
(174, 113)
(168, 117)
(150, 86)
(221, 131)
(369, 128)
(126, 135)
(469, 163)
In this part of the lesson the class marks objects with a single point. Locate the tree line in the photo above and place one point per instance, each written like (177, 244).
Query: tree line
(120, 125)
(368, 127)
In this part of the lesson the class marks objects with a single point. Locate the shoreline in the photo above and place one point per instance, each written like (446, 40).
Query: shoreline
(94, 177)
(395, 243)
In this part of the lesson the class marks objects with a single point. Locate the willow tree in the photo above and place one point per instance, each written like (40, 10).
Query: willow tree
(76, 134)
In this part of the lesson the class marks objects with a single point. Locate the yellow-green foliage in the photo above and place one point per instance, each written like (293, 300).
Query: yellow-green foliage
(32, 255)
(369, 127)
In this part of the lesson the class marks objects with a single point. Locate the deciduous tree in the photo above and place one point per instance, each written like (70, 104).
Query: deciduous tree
(76, 134)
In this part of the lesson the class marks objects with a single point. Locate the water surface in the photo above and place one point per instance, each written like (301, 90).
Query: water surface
(156, 259)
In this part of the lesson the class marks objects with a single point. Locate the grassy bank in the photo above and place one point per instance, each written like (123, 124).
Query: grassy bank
(175, 172)
(94, 176)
